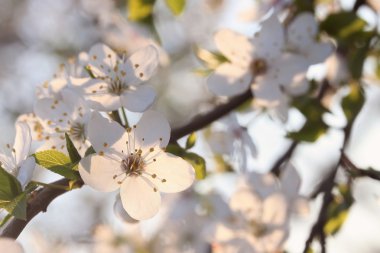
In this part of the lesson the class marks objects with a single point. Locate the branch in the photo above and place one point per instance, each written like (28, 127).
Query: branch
(203, 120)
(41, 198)
(354, 171)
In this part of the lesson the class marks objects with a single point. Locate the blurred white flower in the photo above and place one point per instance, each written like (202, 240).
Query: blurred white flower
(16, 160)
(261, 209)
(8, 245)
(227, 137)
(70, 115)
(107, 241)
(118, 81)
(134, 161)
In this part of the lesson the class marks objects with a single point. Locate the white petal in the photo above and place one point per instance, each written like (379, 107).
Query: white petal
(56, 85)
(139, 198)
(120, 211)
(247, 203)
(269, 41)
(319, 52)
(96, 93)
(99, 172)
(173, 174)
(154, 128)
(138, 100)
(236, 47)
(102, 60)
(266, 93)
(141, 65)
(22, 142)
(9, 245)
(76, 103)
(265, 184)
(229, 80)
(103, 133)
(51, 109)
(248, 142)
(275, 210)
(26, 170)
(302, 31)
(273, 241)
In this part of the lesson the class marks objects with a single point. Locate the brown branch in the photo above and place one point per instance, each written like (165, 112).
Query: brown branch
(41, 198)
(38, 202)
(203, 120)
(354, 171)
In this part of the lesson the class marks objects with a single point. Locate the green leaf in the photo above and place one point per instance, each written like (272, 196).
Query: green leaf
(5, 220)
(190, 142)
(198, 163)
(343, 25)
(89, 151)
(140, 10)
(314, 126)
(353, 102)
(10, 187)
(16, 206)
(176, 6)
(57, 162)
(72, 150)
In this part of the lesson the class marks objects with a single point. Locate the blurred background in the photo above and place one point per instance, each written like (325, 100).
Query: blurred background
(38, 36)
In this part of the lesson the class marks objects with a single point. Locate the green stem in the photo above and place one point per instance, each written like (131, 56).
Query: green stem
(124, 117)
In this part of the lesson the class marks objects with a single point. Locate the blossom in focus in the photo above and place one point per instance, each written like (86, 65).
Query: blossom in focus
(118, 81)
(16, 160)
(134, 161)
(10, 246)
(70, 115)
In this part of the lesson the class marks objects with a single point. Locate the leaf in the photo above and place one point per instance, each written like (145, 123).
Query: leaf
(190, 142)
(89, 151)
(314, 126)
(198, 163)
(57, 162)
(72, 150)
(16, 207)
(176, 6)
(353, 102)
(342, 25)
(10, 187)
(5, 220)
(140, 10)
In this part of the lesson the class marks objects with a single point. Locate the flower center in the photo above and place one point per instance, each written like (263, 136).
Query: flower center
(133, 165)
(77, 131)
(117, 87)
(258, 229)
(259, 66)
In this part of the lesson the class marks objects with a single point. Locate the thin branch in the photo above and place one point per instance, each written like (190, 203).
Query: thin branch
(354, 171)
(203, 120)
(44, 196)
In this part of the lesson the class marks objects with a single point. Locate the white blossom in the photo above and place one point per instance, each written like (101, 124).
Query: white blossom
(16, 160)
(133, 160)
(118, 81)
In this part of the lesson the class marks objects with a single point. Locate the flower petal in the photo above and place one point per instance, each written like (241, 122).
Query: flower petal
(172, 173)
(26, 170)
(22, 142)
(120, 212)
(99, 172)
(302, 31)
(141, 65)
(139, 198)
(275, 210)
(154, 128)
(248, 203)
(103, 133)
(102, 60)
(269, 41)
(51, 109)
(229, 80)
(138, 100)
(290, 182)
(9, 245)
(235, 46)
